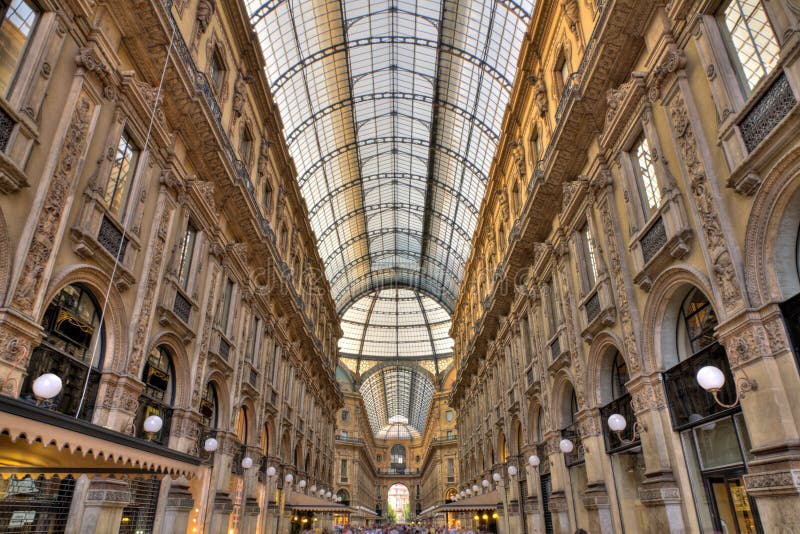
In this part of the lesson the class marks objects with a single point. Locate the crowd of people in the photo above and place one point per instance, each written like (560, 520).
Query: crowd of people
(404, 529)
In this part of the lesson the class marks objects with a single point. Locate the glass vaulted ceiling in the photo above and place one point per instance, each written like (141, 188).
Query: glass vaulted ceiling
(392, 112)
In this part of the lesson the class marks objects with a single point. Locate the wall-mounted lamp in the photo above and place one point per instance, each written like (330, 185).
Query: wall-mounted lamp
(566, 446)
(533, 460)
(617, 423)
(712, 379)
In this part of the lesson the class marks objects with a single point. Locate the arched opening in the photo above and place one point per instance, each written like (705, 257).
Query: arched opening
(343, 497)
(502, 447)
(241, 426)
(398, 460)
(286, 447)
(574, 460)
(209, 407)
(73, 349)
(158, 394)
(714, 437)
(399, 500)
(616, 400)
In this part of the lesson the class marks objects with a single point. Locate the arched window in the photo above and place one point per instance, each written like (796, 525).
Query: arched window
(344, 497)
(619, 376)
(158, 394)
(398, 457)
(208, 407)
(240, 428)
(539, 427)
(72, 348)
(695, 328)
(617, 401)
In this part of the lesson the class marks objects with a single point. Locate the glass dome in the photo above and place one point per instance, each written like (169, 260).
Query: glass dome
(396, 323)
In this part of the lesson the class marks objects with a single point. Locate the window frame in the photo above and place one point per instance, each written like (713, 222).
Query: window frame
(121, 211)
(588, 258)
(184, 265)
(14, 77)
(228, 290)
(642, 185)
(216, 76)
(732, 51)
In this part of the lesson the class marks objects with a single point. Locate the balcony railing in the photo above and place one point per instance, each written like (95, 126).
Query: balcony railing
(577, 455)
(624, 440)
(690, 404)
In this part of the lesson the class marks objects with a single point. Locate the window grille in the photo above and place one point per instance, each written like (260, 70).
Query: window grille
(34, 506)
(138, 517)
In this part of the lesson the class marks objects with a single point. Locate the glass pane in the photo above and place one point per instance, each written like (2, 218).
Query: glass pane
(702, 503)
(121, 175)
(187, 252)
(751, 38)
(648, 184)
(740, 504)
(15, 32)
(717, 444)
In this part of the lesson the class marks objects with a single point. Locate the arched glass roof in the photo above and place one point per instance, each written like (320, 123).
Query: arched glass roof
(397, 397)
(396, 323)
(392, 110)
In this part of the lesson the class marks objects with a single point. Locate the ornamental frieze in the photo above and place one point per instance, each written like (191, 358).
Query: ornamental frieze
(615, 268)
(151, 284)
(723, 270)
(44, 237)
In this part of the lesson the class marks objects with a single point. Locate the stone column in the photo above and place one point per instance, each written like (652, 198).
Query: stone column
(660, 493)
(179, 507)
(596, 498)
(767, 380)
(559, 512)
(221, 512)
(249, 516)
(105, 500)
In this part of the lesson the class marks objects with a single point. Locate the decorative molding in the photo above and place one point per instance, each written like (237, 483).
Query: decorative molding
(723, 269)
(58, 193)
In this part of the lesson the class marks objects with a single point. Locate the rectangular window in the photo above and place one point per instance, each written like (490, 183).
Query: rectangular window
(553, 311)
(345, 415)
(344, 470)
(589, 262)
(226, 305)
(255, 326)
(246, 147)
(646, 181)
(18, 22)
(216, 71)
(448, 416)
(187, 253)
(451, 470)
(535, 148)
(121, 176)
(564, 74)
(751, 42)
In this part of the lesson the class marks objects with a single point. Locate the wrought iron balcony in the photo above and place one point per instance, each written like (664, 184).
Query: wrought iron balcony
(689, 404)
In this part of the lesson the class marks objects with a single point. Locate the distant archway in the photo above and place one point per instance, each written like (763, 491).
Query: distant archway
(400, 502)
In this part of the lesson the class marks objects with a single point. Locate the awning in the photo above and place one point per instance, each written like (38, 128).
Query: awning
(37, 440)
(308, 503)
(484, 501)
